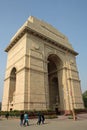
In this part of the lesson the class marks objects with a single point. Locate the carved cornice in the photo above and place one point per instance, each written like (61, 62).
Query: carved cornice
(27, 29)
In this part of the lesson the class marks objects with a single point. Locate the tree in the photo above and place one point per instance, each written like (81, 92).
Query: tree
(85, 98)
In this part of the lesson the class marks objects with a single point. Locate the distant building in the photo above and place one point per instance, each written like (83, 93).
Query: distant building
(41, 70)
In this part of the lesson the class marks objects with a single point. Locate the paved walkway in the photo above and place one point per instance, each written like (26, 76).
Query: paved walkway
(60, 123)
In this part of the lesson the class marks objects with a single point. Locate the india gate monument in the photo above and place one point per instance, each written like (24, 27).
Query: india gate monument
(41, 71)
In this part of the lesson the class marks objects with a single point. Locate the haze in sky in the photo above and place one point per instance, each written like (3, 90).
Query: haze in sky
(68, 16)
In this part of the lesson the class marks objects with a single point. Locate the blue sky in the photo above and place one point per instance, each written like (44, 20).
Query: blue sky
(68, 16)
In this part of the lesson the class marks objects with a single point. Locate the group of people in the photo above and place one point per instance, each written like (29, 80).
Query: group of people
(41, 118)
(24, 119)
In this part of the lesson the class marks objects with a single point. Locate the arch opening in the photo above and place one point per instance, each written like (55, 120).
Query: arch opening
(54, 63)
(12, 88)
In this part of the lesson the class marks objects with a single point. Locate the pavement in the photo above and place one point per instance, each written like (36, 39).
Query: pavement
(60, 123)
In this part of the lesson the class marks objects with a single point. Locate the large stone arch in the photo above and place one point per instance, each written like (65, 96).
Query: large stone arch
(37, 51)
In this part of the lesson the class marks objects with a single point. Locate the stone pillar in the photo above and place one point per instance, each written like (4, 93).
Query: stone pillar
(20, 90)
(37, 81)
(66, 100)
(5, 100)
(46, 84)
(75, 88)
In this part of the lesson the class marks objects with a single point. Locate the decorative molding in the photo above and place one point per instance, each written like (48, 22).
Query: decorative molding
(26, 29)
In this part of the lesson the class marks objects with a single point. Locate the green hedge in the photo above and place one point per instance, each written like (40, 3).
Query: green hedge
(80, 111)
(32, 114)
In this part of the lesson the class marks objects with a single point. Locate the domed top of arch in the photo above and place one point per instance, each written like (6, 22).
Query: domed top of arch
(54, 58)
(13, 71)
(54, 62)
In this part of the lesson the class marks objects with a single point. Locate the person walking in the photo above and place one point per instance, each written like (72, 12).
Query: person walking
(26, 119)
(21, 118)
(42, 118)
(7, 115)
(39, 118)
